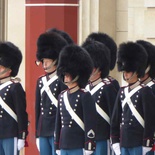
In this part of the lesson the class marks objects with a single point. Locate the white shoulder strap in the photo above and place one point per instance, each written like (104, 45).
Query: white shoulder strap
(48, 91)
(133, 109)
(47, 83)
(150, 83)
(87, 88)
(97, 87)
(5, 84)
(130, 94)
(71, 111)
(102, 113)
(8, 109)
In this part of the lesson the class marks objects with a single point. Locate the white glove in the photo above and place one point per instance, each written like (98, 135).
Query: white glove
(116, 148)
(37, 143)
(146, 149)
(21, 144)
(58, 152)
(88, 152)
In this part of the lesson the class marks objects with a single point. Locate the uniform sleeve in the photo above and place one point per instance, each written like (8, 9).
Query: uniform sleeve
(110, 96)
(37, 106)
(19, 100)
(115, 121)
(57, 127)
(89, 115)
(148, 100)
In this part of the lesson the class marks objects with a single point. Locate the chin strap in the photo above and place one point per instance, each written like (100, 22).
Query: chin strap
(51, 65)
(4, 71)
(96, 71)
(74, 80)
(147, 69)
(128, 79)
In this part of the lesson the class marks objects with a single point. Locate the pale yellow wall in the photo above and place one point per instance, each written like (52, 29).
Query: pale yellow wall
(15, 29)
(101, 15)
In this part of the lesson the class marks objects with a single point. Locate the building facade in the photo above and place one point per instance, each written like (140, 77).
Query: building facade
(22, 21)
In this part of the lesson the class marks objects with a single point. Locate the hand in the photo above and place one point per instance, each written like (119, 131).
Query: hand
(116, 148)
(37, 143)
(58, 152)
(146, 149)
(21, 144)
(88, 152)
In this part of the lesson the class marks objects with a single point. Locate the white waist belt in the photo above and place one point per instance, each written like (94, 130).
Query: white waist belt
(150, 83)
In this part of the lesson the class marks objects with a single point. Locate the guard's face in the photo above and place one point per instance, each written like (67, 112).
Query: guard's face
(67, 78)
(48, 65)
(4, 72)
(130, 77)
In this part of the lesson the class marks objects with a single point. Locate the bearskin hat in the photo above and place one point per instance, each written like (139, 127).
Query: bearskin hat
(49, 46)
(132, 57)
(150, 49)
(10, 57)
(109, 42)
(100, 56)
(75, 61)
(63, 34)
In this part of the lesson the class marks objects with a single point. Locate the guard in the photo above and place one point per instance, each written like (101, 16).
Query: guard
(132, 121)
(48, 88)
(103, 93)
(149, 77)
(76, 113)
(13, 115)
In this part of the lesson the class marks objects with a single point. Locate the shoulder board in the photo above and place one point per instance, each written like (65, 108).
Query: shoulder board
(111, 78)
(64, 91)
(42, 76)
(153, 80)
(123, 87)
(143, 85)
(106, 82)
(16, 80)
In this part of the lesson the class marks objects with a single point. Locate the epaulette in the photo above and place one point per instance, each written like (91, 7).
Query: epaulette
(111, 78)
(106, 82)
(16, 80)
(42, 76)
(143, 85)
(63, 91)
(123, 87)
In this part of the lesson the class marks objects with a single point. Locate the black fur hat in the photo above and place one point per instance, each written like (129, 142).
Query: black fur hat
(10, 57)
(109, 42)
(49, 46)
(132, 57)
(100, 55)
(150, 49)
(76, 61)
(63, 34)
